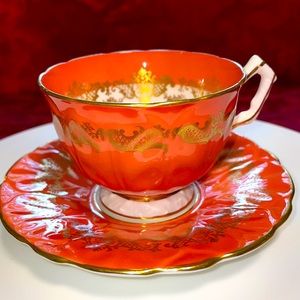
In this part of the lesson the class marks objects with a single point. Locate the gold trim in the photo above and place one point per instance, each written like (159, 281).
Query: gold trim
(254, 117)
(149, 220)
(253, 71)
(140, 198)
(169, 103)
(194, 202)
(183, 268)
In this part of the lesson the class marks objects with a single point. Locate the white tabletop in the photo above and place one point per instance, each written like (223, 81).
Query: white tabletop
(271, 272)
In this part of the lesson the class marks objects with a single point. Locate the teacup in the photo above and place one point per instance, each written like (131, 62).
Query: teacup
(145, 156)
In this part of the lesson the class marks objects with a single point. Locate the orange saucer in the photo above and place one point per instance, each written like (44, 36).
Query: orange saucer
(45, 203)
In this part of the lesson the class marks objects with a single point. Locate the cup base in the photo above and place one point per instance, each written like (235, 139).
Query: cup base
(151, 210)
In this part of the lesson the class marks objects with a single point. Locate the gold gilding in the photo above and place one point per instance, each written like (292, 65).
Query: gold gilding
(142, 138)
(145, 81)
(169, 270)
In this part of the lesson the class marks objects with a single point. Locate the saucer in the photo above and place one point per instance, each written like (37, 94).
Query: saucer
(45, 203)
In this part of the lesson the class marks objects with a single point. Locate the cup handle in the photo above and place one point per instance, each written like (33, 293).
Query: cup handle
(254, 66)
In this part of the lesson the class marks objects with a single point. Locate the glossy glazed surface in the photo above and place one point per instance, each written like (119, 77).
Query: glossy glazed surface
(68, 80)
(140, 147)
(134, 150)
(44, 203)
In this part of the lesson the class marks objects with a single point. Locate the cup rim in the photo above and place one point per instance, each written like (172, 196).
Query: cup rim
(139, 105)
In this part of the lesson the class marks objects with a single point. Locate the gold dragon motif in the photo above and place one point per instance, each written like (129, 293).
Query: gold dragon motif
(143, 139)
(192, 134)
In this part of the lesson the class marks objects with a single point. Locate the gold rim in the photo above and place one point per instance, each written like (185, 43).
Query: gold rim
(173, 270)
(145, 105)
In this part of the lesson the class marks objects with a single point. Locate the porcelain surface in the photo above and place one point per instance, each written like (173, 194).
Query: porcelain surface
(45, 203)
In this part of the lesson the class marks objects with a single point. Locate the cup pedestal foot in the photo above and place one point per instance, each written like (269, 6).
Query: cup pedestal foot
(145, 209)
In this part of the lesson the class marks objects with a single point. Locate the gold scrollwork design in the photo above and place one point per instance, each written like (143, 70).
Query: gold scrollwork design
(143, 89)
(212, 130)
(143, 139)
(140, 140)
(80, 137)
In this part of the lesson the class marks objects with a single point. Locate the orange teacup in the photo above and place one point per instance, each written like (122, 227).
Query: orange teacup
(141, 148)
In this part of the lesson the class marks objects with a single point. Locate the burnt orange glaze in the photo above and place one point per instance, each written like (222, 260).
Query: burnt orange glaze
(152, 149)
(44, 202)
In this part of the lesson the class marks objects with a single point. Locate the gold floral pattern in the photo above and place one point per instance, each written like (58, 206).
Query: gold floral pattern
(143, 90)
